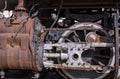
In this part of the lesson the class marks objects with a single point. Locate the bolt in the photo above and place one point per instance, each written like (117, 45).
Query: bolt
(71, 63)
(2, 74)
(79, 63)
(78, 49)
(71, 49)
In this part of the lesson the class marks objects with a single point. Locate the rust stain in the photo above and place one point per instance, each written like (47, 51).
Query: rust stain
(15, 46)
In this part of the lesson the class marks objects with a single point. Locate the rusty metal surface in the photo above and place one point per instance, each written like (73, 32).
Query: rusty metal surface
(16, 54)
(15, 43)
(20, 5)
(117, 49)
(93, 67)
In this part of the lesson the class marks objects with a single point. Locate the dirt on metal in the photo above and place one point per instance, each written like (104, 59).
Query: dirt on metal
(15, 42)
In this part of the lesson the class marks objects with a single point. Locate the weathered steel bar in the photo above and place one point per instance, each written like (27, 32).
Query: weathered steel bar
(117, 54)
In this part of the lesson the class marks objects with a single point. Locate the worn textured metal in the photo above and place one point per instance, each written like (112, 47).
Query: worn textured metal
(15, 42)
(117, 49)
(15, 53)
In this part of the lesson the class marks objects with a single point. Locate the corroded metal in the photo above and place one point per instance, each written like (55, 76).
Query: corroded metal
(16, 53)
(68, 34)
(117, 42)
(94, 37)
(20, 5)
(16, 36)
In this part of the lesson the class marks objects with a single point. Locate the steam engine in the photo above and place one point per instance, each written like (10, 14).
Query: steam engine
(69, 39)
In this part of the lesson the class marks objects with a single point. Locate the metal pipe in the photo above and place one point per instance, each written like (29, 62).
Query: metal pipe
(52, 55)
(63, 56)
(102, 45)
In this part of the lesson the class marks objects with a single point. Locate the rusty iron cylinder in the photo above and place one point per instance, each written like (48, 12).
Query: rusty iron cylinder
(16, 49)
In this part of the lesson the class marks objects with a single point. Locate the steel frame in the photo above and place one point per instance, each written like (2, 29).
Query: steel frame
(117, 54)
